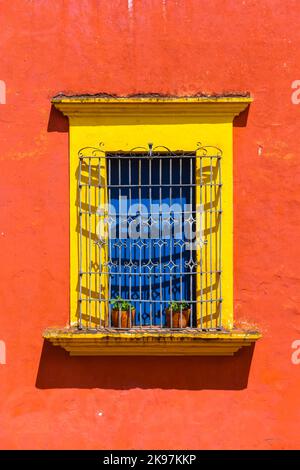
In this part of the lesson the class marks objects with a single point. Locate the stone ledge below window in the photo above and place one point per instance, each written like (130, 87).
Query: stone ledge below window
(151, 341)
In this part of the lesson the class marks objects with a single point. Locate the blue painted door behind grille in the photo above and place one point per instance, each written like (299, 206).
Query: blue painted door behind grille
(136, 264)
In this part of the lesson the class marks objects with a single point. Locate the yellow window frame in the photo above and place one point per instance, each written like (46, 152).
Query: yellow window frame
(126, 123)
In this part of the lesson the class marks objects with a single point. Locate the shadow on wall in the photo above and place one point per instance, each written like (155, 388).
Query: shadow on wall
(57, 121)
(242, 118)
(59, 370)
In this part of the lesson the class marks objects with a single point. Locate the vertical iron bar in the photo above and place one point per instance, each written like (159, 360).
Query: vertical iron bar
(129, 241)
(200, 247)
(160, 235)
(210, 241)
(191, 254)
(100, 246)
(140, 249)
(80, 244)
(109, 275)
(90, 246)
(149, 237)
(220, 240)
(171, 241)
(119, 236)
(182, 235)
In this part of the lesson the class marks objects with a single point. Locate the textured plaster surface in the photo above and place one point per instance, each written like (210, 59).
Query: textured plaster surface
(51, 401)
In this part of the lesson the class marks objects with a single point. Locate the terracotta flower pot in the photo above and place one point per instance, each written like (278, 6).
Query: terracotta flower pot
(178, 320)
(121, 318)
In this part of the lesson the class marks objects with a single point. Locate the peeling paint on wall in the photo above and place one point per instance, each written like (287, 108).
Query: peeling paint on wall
(2, 92)
(2, 352)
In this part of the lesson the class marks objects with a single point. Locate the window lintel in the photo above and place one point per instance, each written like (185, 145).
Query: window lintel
(226, 106)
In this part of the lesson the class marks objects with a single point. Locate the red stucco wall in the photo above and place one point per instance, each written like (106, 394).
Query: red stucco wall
(49, 400)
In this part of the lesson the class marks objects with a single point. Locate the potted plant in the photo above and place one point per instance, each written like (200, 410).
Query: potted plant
(122, 313)
(178, 314)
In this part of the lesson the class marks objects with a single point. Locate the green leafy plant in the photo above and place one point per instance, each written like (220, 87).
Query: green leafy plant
(178, 306)
(120, 304)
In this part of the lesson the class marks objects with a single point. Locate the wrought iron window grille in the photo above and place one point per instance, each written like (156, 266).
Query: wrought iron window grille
(149, 229)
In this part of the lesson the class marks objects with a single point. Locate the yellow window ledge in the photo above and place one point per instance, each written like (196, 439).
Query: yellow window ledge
(151, 342)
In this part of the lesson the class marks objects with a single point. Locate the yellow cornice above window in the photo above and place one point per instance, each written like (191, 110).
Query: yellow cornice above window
(205, 106)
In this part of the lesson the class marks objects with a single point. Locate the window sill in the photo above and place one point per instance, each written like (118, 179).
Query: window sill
(151, 342)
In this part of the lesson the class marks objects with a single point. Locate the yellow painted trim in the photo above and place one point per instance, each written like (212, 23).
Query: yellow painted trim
(178, 123)
(201, 106)
(149, 99)
(154, 343)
